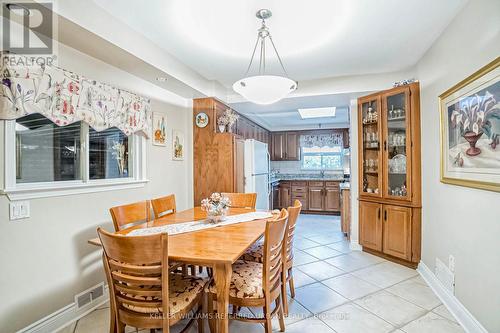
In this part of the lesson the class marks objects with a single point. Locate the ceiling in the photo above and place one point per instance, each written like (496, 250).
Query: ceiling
(283, 115)
(316, 39)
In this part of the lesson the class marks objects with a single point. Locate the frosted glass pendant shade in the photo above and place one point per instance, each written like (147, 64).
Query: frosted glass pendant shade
(264, 89)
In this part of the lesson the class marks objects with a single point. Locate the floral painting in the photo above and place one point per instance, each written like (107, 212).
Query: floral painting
(159, 129)
(177, 145)
(470, 130)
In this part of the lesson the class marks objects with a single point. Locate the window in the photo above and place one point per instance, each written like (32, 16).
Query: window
(108, 154)
(46, 152)
(322, 158)
(43, 156)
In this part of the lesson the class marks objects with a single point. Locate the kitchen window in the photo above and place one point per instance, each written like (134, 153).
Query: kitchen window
(43, 159)
(322, 158)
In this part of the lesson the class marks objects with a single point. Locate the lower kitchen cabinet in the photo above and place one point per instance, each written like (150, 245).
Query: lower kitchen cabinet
(276, 197)
(387, 229)
(332, 199)
(315, 195)
(397, 231)
(370, 225)
(285, 195)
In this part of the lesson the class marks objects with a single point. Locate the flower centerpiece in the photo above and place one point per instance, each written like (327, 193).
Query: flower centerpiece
(216, 207)
(227, 119)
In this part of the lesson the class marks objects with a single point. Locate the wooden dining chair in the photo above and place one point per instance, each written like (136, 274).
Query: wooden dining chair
(258, 285)
(143, 294)
(164, 206)
(134, 213)
(242, 200)
(255, 253)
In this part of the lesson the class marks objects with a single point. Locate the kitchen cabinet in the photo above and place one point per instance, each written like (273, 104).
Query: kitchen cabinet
(370, 227)
(332, 199)
(396, 237)
(345, 211)
(316, 198)
(278, 146)
(285, 195)
(324, 196)
(285, 146)
(292, 151)
(276, 204)
(386, 228)
(345, 138)
(390, 172)
(217, 157)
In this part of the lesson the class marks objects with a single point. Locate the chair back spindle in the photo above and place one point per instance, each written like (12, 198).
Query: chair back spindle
(137, 273)
(273, 252)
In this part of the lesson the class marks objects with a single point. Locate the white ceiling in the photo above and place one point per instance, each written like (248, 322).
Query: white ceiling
(283, 115)
(316, 38)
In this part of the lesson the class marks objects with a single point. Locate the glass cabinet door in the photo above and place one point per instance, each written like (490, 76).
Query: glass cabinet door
(397, 144)
(370, 160)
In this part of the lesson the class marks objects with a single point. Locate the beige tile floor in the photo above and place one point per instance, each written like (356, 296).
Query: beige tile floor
(337, 291)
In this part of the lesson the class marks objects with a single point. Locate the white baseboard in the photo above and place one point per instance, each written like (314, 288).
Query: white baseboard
(462, 315)
(65, 316)
(354, 245)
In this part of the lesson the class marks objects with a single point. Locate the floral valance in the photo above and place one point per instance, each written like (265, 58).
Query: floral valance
(321, 140)
(65, 97)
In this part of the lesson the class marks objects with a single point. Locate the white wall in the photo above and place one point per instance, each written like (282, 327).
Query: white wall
(45, 260)
(461, 221)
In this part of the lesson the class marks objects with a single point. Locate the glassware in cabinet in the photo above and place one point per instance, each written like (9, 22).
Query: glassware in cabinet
(370, 152)
(397, 147)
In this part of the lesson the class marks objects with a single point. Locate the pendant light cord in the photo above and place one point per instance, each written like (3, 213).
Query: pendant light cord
(262, 60)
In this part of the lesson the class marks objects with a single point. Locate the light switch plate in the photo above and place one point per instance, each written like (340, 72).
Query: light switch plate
(19, 210)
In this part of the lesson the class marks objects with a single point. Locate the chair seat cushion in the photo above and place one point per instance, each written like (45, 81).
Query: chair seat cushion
(182, 291)
(254, 253)
(246, 281)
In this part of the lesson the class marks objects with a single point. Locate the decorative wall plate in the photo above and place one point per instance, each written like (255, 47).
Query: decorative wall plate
(201, 119)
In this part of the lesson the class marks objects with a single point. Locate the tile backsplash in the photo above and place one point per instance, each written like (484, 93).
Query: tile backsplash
(294, 167)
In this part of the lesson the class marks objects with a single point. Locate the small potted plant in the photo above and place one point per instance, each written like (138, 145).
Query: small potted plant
(471, 116)
(216, 207)
(227, 119)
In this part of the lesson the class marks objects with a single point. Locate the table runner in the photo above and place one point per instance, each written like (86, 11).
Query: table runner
(183, 227)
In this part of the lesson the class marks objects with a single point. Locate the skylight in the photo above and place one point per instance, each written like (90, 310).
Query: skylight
(317, 112)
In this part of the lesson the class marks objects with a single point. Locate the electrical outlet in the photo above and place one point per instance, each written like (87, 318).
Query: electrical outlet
(19, 210)
(451, 263)
(445, 276)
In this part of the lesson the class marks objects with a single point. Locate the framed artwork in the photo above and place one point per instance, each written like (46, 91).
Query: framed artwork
(177, 145)
(470, 130)
(159, 129)
(201, 119)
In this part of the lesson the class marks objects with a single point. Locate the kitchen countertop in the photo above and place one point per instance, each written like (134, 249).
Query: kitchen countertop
(281, 177)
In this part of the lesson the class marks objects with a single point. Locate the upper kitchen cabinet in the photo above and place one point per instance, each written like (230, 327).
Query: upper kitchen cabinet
(285, 146)
(247, 129)
(389, 145)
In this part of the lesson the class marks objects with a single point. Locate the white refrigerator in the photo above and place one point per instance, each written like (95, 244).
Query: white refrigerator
(257, 168)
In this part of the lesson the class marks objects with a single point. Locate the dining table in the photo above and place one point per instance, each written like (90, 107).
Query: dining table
(218, 247)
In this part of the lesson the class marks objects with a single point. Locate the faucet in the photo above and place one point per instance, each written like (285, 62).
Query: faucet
(322, 173)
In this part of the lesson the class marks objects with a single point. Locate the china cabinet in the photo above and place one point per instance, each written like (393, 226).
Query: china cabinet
(390, 173)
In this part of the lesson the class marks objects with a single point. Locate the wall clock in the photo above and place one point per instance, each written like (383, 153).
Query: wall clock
(201, 119)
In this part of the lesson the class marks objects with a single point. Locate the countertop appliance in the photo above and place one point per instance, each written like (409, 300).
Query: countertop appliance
(257, 172)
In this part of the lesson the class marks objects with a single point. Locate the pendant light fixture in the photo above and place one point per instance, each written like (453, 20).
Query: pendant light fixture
(264, 88)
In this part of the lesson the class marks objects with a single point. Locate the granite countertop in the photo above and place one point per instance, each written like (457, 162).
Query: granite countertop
(326, 177)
